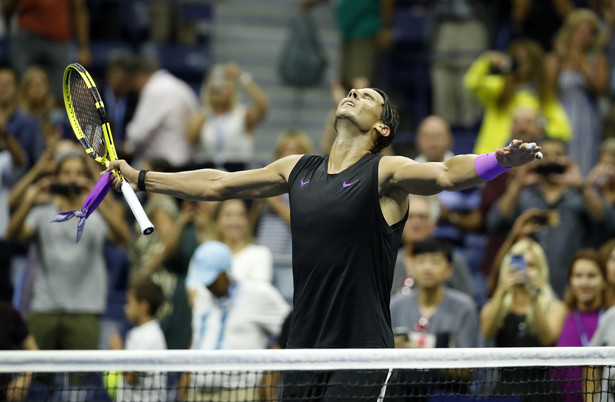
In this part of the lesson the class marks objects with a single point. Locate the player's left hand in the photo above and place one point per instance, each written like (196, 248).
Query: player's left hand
(518, 153)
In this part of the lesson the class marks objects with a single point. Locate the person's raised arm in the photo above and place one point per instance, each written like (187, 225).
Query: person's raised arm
(211, 184)
(457, 173)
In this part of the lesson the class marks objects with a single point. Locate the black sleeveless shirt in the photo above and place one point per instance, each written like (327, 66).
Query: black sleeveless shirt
(343, 256)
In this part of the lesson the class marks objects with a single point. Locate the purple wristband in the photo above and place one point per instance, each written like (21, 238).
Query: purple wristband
(487, 166)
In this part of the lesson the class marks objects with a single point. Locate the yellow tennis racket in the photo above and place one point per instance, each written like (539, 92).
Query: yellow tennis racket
(88, 117)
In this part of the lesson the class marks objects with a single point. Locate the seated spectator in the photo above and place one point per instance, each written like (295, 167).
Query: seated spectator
(585, 300)
(273, 216)
(433, 315)
(14, 335)
(142, 302)
(578, 69)
(160, 123)
(232, 227)
(554, 184)
(607, 252)
(504, 81)
(523, 312)
(222, 134)
(70, 283)
(423, 214)
(228, 314)
(434, 140)
(597, 388)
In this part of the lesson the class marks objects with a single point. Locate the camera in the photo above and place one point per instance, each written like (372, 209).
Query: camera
(546, 169)
(65, 189)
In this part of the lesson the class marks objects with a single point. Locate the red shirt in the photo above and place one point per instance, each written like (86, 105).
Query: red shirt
(50, 19)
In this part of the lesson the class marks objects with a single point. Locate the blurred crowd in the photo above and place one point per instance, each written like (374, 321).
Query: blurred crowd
(527, 259)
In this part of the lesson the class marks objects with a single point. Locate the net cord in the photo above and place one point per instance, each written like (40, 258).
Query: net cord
(300, 359)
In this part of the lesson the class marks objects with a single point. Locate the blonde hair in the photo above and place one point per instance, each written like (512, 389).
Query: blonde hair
(300, 136)
(572, 21)
(545, 297)
(217, 74)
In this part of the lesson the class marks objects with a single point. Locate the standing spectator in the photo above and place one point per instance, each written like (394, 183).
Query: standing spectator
(504, 81)
(578, 69)
(586, 302)
(21, 125)
(432, 314)
(366, 30)
(607, 252)
(223, 132)
(576, 209)
(526, 126)
(228, 314)
(160, 123)
(423, 214)
(120, 96)
(70, 284)
(14, 335)
(523, 312)
(459, 35)
(273, 215)
(142, 302)
(540, 19)
(44, 33)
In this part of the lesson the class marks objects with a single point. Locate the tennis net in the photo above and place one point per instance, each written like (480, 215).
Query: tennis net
(483, 374)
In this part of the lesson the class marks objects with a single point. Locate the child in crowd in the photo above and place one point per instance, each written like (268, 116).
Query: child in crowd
(143, 300)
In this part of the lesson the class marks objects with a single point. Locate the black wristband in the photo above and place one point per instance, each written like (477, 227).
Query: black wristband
(141, 180)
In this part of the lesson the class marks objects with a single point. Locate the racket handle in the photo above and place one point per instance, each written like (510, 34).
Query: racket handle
(137, 209)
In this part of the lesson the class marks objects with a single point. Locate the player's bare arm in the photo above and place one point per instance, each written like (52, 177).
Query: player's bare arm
(400, 176)
(214, 185)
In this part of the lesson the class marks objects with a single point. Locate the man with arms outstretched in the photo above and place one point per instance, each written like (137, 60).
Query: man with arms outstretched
(347, 213)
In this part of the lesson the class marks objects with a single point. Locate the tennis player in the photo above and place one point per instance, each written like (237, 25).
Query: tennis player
(348, 210)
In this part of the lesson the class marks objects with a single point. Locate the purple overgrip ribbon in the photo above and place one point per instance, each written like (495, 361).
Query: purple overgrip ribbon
(91, 203)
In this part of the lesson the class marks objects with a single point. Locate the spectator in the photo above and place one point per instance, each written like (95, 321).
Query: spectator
(142, 302)
(366, 30)
(575, 209)
(602, 176)
(44, 34)
(526, 126)
(423, 214)
(273, 215)
(36, 99)
(120, 96)
(434, 315)
(14, 335)
(597, 387)
(160, 123)
(228, 314)
(540, 19)
(607, 252)
(504, 81)
(459, 35)
(223, 132)
(21, 125)
(232, 227)
(12, 163)
(434, 140)
(523, 312)
(585, 300)
(578, 69)
(70, 283)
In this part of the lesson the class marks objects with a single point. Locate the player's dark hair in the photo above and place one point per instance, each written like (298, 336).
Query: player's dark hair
(433, 245)
(145, 289)
(390, 117)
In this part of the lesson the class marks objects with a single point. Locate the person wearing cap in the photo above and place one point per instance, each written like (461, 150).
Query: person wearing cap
(228, 314)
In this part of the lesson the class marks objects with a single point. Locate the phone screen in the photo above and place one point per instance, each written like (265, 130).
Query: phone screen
(518, 262)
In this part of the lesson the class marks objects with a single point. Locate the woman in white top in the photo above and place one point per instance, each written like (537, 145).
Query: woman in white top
(222, 134)
(250, 262)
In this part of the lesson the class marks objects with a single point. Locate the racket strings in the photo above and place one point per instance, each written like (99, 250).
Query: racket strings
(87, 114)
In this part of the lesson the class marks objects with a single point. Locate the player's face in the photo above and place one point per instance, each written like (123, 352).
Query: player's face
(586, 282)
(430, 270)
(233, 220)
(361, 106)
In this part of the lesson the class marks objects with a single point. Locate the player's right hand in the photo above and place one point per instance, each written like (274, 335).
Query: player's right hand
(130, 174)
